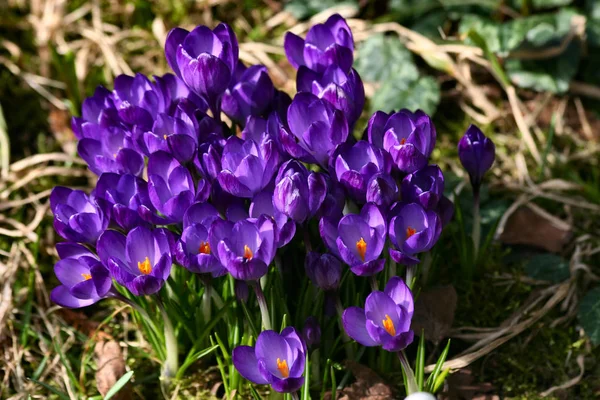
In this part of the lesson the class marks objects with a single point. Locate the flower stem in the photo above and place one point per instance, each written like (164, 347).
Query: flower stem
(374, 284)
(307, 243)
(262, 303)
(295, 396)
(411, 382)
(476, 223)
(206, 300)
(345, 337)
(410, 275)
(172, 362)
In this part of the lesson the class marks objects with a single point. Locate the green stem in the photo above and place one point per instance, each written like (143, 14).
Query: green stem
(172, 362)
(410, 375)
(206, 300)
(410, 275)
(476, 223)
(262, 303)
(345, 337)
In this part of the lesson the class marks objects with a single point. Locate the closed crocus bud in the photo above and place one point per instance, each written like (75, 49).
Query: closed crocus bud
(385, 320)
(382, 190)
(77, 216)
(316, 128)
(412, 230)
(277, 359)
(248, 167)
(361, 239)
(121, 196)
(326, 44)
(208, 161)
(205, 59)
(356, 164)
(408, 137)
(140, 261)
(311, 332)
(298, 193)
(345, 91)
(425, 186)
(252, 95)
(241, 290)
(324, 270)
(476, 153)
(84, 279)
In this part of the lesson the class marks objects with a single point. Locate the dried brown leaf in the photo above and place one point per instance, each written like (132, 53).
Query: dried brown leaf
(111, 367)
(434, 312)
(526, 226)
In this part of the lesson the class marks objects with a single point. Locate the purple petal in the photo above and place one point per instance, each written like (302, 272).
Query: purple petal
(355, 325)
(244, 360)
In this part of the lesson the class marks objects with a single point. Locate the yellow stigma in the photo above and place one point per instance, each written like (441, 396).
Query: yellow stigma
(410, 231)
(204, 248)
(86, 277)
(361, 247)
(403, 141)
(283, 368)
(145, 267)
(247, 253)
(388, 325)
(165, 137)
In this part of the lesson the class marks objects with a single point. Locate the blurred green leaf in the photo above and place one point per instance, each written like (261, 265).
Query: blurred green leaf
(386, 61)
(302, 9)
(548, 267)
(119, 385)
(589, 315)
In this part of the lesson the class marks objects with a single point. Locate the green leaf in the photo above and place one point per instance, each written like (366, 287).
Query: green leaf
(118, 385)
(548, 267)
(420, 364)
(386, 62)
(60, 394)
(589, 315)
(193, 358)
(430, 384)
(302, 9)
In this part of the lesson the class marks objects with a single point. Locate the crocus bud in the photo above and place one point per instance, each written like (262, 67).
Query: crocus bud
(251, 96)
(476, 153)
(382, 190)
(324, 270)
(425, 187)
(311, 333)
(241, 291)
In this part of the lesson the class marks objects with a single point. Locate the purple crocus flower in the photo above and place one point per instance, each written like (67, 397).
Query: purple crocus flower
(121, 196)
(477, 153)
(208, 161)
(262, 204)
(205, 59)
(245, 248)
(311, 332)
(324, 270)
(425, 186)
(252, 95)
(248, 167)
(355, 164)
(345, 91)
(138, 100)
(326, 44)
(171, 187)
(382, 190)
(277, 359)
(385, 320)
(140, 261)
(316, 129)
(408, 137)
(84, 280)
(110, 149)
(193, 250)
(77, 216)
(328, 228)
(361, 239)
(298, 193)
(334, 202)
(412, 230)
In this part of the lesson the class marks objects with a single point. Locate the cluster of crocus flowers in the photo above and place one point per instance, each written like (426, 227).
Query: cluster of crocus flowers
(177, 187)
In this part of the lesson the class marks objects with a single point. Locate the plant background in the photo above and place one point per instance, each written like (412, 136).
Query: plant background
(524, 324)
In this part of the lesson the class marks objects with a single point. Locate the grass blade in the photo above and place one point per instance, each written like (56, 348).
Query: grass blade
(119, 385)
(438, 367)
(61, 395)
(420, 365)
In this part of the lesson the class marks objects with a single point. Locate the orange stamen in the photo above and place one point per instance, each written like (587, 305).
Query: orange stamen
(204, 248)
(145, 267)
(165, 137)
(403, 141)
(388, 325)
(283, 368)
(410, 231)
(86, 277)
(361, 247)
(248, 253)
